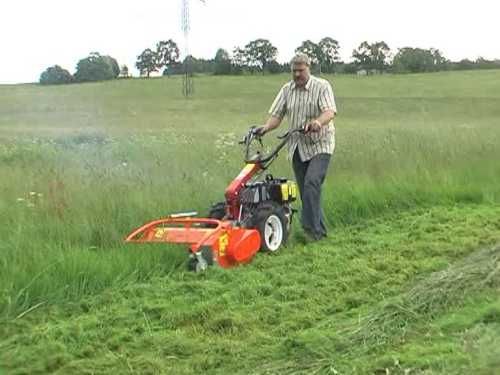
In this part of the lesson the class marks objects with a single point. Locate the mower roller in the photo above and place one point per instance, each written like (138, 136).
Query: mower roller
(256, 215)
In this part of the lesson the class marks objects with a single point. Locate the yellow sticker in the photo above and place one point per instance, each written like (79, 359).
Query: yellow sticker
(284, 192)
(223, 243)
(160, 232)
(293, 189)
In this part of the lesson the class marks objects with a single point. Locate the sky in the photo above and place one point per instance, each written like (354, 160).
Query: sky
(37, 34)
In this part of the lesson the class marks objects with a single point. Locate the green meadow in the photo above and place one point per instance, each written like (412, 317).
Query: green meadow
(407, 282)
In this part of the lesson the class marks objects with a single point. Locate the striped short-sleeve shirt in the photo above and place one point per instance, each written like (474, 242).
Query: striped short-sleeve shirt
(301, 105)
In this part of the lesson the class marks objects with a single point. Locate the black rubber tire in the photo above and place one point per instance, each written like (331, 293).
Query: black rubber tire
(264, 211)
(217, 211)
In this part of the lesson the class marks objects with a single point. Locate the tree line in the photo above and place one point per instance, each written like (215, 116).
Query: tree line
(95, 67)
(259, 56)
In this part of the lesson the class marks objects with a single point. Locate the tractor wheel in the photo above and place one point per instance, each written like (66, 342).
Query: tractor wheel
(200, 262)
(272, 224)
(217, 211)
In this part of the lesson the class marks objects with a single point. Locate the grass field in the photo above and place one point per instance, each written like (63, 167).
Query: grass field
(408, 281)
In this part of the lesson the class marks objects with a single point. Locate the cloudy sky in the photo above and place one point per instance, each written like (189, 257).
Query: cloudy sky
(36, 34)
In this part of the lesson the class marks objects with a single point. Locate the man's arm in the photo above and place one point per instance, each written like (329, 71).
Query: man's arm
(328, 110)
(272, 123)
(277, 111)
(323, 119)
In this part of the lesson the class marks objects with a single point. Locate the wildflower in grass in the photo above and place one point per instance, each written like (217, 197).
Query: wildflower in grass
(31, 199)
(225, 140)
(222, 158)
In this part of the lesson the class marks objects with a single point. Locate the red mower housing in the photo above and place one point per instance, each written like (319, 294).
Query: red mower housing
(229, 245)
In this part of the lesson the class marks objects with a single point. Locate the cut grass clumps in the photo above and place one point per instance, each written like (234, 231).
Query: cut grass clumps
(430, 297)
(298, 308)
(405, 317)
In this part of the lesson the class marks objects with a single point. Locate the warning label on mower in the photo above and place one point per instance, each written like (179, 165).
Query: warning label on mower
(223, 243)
(160, 233)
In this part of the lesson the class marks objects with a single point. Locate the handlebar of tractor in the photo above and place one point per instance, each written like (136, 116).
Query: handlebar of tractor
(268, 159)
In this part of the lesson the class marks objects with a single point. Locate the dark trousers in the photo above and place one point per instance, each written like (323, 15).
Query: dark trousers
(310, 176)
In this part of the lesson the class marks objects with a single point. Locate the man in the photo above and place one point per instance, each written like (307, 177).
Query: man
(308, 103)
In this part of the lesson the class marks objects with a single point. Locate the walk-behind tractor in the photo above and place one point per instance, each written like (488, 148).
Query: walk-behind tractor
(256, 215)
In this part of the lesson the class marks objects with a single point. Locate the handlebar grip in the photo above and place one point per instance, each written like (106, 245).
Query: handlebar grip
(283, 136)
(290, 132)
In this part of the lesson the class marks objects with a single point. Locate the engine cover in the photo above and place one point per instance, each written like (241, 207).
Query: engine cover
(279, 190)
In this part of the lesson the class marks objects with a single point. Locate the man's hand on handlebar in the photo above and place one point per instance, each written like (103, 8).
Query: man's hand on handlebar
(313, 126)
(260, 131)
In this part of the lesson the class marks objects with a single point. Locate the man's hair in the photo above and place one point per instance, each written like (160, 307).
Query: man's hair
(300, 58)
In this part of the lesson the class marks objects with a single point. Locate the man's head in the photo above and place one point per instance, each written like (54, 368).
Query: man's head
(300, 69)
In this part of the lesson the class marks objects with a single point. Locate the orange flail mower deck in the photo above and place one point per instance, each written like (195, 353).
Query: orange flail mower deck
(230, 245)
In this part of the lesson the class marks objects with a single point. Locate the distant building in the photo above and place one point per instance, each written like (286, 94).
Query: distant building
(368, 72)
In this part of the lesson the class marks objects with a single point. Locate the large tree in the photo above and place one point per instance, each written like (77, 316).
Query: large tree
(114, 65)
(147, 62)
(311, 49)
(96, 68)
(222, 62)
(329, 53)
(55, 75)
(372, 57)
(260, 53)
(239, 60)
(418, 60)
(324, 54)
(439, 59)
(167, 54)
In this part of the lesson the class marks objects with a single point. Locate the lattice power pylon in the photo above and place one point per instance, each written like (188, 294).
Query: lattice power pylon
(187, 79)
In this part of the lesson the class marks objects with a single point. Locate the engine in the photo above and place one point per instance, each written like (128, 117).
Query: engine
(279, 190)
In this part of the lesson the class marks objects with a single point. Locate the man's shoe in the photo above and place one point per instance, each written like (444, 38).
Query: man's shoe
(311, 236)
